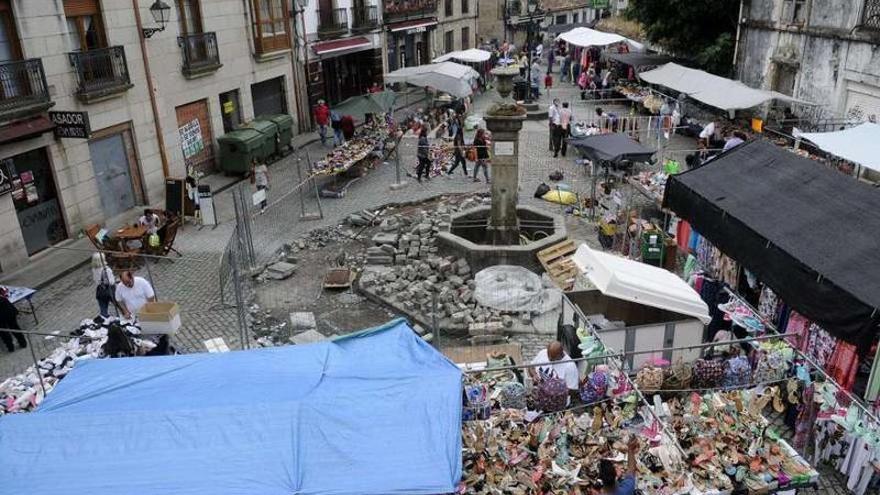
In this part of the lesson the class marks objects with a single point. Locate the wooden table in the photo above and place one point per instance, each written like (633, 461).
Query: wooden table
(130, 233)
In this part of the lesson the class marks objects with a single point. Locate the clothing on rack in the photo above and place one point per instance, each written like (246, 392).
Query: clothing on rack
(843, 365)
(800, 326)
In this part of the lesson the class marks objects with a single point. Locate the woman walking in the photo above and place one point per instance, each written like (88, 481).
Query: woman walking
(423, 155)
(458, 152)
(482, 146)
(105, 283)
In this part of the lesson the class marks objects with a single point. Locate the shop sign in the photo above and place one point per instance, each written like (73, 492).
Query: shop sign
(415, 30)
(6, 172)
(71, 124)
(228, 107)
(600, 4)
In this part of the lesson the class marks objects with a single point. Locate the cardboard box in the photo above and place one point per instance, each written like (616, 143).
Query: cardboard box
(159, 318)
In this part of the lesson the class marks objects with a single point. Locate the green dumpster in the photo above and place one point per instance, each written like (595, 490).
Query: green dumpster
(270, 131)
(238, 148)
(284, 123)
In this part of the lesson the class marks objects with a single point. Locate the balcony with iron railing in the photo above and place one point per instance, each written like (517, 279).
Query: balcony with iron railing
(332, 23)
(200, 54)
(512, 8)
(402, 10)
(100, 73)
(23, 89)
(364, 18)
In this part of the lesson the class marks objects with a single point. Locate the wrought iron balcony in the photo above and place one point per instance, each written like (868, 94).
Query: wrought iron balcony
(23, 89)
(402, 10)
(200, 54)
(332, 23)
(364, 18)
(100, 73)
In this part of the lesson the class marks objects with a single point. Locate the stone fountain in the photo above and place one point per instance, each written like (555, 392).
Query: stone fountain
(505, 232)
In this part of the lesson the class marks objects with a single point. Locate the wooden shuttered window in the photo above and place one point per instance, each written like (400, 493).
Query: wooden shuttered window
(271, 25)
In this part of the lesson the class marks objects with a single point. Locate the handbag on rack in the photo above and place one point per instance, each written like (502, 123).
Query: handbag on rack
(594, 388)
(708, 373)
(772, 366)
(678, 376)
(650, 378)
(737, 372)
(105, 290)
(550, 393)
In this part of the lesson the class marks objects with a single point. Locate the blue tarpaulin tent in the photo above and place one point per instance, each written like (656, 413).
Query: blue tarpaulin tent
(376, 412)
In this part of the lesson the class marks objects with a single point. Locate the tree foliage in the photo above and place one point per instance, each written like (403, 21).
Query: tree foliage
(700, 30)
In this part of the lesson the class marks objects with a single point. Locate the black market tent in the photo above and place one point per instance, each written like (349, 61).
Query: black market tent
(613, 147)
(809, 232)
(640, 61)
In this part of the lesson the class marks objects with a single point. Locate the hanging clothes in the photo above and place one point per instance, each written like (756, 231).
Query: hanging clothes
(821, 345)
(800, 326)
(682, 235)
(843, 364)
(806, 419)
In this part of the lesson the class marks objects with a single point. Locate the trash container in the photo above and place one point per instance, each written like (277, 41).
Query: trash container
(268, 129)
(284, 123)
(520, 88)
(238, 148)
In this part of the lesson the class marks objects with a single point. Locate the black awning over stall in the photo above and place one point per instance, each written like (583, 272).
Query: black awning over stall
(809, 232)
(614, 147)
(640, 60)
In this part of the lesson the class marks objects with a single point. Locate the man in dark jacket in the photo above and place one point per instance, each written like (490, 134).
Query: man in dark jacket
(9, 319)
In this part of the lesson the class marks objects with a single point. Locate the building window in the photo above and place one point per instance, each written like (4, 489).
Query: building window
(190, 17)
(448, 8)
(871, 15)
(560, 19)
(449, 41)
(794, 11)
(9, 46)
(85, 28)
(574, 18)
(271, 22)
(465, 6)
(465, 38)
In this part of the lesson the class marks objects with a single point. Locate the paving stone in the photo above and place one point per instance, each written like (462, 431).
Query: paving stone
(308, 337)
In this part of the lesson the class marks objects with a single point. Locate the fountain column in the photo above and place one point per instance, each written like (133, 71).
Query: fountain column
(504, 120)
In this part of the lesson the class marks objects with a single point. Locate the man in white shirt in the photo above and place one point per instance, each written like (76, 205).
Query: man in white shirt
(563, 131)
(553, 118)
(567, 371)
(735, 139)
(708, 133)
(133, 293)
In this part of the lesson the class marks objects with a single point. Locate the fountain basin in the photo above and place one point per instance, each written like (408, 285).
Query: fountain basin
(471, 237)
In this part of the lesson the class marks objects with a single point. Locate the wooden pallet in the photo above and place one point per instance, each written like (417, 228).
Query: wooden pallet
(338, 278)
(558, 264)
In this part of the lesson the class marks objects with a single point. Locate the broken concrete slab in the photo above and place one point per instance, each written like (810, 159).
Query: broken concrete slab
(308, 337)
(280, 270)
(303, 320)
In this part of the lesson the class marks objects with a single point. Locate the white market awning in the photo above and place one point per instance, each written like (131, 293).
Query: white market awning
(473, 55)
(716, 91)
(448, 77)
(859, 144)
(637, 282)
(584, 36)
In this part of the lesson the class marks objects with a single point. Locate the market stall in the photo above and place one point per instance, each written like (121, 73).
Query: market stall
(586, 37)
(373, 143)
(645, 307)
(448, 77)
(631, 64)
(380, 405)
(718, 92)
(859, 145)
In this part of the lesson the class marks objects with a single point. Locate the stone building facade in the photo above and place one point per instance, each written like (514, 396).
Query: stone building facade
(824, 52)
(457, 26)
(215, 65)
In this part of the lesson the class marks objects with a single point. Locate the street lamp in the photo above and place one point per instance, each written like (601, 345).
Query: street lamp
(535, 12)
(161, 14)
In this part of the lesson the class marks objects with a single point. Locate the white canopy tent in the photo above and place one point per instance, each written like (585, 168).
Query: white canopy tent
(716, 91)
(583, 36)
(859, 144)
(471, 56)
(637, 282)
(448, 77)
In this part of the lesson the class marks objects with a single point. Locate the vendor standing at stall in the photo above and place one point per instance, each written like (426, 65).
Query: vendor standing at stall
(9, 320)
(133, 294)
(554, 361)
(423, 154)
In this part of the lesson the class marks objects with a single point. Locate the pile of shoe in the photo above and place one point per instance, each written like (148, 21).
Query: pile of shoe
(23, 393)
(730, 445)
(560, 453)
